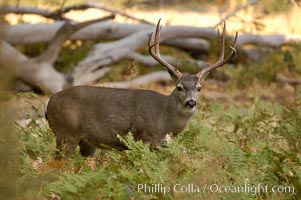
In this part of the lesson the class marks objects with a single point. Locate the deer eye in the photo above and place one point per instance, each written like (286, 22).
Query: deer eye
(198, 89)
(180, 88)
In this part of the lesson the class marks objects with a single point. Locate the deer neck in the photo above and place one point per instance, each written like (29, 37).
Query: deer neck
(177, 115)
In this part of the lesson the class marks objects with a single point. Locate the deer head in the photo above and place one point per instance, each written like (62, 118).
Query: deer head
(189, 86)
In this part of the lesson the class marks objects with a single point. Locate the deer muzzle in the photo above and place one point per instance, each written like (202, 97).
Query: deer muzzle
(190, 103)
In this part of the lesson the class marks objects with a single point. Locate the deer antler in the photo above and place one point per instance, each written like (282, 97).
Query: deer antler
(221, 61)
(155, 52)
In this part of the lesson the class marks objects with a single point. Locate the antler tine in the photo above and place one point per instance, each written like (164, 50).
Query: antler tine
(157, 37)
(221, 61)
(156, 54)
(222, 47)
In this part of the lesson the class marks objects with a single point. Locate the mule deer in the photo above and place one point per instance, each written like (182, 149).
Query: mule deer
(93, 116)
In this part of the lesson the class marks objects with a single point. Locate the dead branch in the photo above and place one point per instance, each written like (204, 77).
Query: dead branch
(25, 10)
(89, 76)
(236, 10)
(275, 40)
(55, 46)
(141, 80)
(89, 71)
(255, 54)
(147, 60)
(40, 75)
(58, 14)
(106, 54)
(124, 14)
(37, 33)
(39, 72)
(128, 38)
(189, 44)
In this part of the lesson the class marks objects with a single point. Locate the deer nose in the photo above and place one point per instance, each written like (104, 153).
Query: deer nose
(190, 103)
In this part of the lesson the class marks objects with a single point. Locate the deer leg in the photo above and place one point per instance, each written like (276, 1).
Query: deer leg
(65, 147)
(86, 149)
(149, 139)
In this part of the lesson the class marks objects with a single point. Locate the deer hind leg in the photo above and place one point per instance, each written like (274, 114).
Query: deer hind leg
(65, 147)
(86, 149)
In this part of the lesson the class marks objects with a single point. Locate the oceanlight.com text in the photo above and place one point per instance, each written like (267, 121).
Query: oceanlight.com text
(212, 188)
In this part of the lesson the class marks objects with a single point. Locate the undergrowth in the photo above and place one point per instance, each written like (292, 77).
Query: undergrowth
(232, 147)
(284, 60)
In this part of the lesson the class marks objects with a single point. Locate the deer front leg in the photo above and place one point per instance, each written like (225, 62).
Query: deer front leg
(152, 139)
(86, 149)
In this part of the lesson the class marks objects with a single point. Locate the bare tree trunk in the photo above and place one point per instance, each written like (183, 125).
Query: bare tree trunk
(39, 72)
(36, 33)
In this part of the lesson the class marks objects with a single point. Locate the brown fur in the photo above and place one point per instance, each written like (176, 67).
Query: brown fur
(93, 116)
